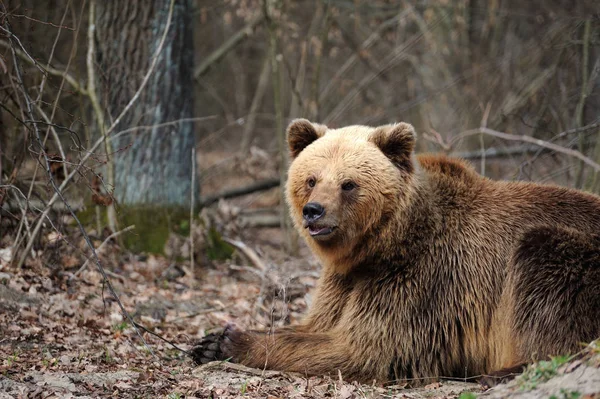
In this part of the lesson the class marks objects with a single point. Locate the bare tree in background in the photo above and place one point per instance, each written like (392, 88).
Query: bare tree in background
(152, 163)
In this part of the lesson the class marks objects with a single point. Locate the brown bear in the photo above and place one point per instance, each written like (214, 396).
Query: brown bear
(429, 269)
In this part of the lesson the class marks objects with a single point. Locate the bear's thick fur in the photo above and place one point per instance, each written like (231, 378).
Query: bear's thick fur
(429, 269)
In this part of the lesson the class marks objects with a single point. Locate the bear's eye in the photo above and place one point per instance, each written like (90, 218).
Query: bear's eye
(311, 182)
(348, 186)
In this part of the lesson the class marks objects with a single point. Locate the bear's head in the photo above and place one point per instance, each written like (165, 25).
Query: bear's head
(344, 183)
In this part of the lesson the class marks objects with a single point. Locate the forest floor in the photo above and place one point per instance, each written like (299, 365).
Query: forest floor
(64, 336)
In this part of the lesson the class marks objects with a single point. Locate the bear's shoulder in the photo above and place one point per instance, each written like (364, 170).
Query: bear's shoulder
(447, 167)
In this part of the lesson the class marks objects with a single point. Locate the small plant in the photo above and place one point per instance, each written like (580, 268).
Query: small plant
(120, 326)
(107, 356)
(11, 359)
(540, 372)
(567, 394)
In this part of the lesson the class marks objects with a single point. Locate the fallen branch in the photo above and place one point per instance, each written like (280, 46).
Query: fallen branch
(239, 191)
(249, 252)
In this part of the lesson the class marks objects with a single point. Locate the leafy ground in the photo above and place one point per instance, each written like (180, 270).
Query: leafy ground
(63, 337)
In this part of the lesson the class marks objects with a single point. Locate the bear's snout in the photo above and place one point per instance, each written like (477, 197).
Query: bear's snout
(313, 211)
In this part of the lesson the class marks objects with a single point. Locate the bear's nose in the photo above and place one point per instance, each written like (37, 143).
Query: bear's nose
(312, 211)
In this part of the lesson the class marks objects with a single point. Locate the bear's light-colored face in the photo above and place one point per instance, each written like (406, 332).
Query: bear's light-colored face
(342, 182)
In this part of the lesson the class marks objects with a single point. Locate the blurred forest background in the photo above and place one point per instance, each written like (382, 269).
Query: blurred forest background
(126, 106)
(148, 136)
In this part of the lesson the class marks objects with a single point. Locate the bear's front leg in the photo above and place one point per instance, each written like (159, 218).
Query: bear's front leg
(286, 349)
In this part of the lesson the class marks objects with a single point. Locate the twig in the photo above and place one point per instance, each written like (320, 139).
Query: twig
(138, 325)
(192, 212)
(581, 104)
(239, 191)
(233, 41)
(538, 142)
(48, 69)
(158, 125)
(261, 88)
(493, 152)
(110, 237)
(51, 127)
(249, 269)
(45, 77)
(484, 120)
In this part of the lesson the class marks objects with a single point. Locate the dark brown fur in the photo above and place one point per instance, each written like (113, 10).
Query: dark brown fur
(451, 274)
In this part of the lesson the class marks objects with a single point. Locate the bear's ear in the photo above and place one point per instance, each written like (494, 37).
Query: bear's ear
(397, 143)
(300, 133)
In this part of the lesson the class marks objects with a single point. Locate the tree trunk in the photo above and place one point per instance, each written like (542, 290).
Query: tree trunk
(152, 165)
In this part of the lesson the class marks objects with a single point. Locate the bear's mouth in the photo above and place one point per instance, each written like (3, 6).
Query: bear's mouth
(315, 230)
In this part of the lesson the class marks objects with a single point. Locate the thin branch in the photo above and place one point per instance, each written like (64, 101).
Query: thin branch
(372, 39)
(493, 152)
(52, 127)
(587, 28)
(538, 142)
(159, 125)
(79, 87)
(45, 76)
(192, 266)
(233, 41)
(261, 88)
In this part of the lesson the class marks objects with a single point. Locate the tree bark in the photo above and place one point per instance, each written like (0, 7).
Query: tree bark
(151, 167)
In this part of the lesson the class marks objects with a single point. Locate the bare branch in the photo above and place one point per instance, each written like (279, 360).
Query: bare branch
(233, 41)
(79, 87)
(538, 142)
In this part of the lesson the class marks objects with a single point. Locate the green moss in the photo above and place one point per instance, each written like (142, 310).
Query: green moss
(218, 249)
(153, 225)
